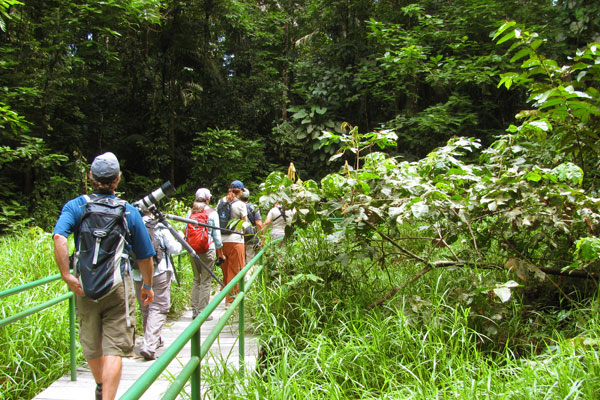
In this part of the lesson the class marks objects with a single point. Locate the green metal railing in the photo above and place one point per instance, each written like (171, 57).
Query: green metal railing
(192, 332)
(191, 371)
(68, 296)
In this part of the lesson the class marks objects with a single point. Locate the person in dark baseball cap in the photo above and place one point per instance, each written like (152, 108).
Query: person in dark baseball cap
(105, 168)
(237, 185)
(104, 334)
(233, 243)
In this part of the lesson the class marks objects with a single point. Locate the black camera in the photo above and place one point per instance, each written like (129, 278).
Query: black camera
(220, 261)
(166, 189)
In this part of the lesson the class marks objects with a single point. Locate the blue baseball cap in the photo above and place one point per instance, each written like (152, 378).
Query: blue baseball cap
(237, 185)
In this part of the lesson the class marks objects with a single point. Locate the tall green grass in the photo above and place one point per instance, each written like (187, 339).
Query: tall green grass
(318, 342)
(34, 351)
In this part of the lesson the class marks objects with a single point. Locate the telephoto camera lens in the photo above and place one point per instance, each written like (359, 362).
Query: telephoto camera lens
(165, 189)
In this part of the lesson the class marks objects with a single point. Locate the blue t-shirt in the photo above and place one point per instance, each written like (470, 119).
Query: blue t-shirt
(139, 239)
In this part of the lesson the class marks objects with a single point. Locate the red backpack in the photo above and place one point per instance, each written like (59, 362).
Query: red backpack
(198, 236)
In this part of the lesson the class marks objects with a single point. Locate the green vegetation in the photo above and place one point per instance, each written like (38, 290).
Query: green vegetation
(471, 273)
(445, 177)
(35, 350)
(319, 342)
(176, 88)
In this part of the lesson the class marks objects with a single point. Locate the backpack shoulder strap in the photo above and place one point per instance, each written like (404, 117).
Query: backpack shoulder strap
(87, 200)
(281, 213)
(250, 208)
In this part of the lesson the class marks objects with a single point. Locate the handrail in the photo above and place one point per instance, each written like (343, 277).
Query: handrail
(199, 350)
(35, 309)
(30, 285)
(192, 368)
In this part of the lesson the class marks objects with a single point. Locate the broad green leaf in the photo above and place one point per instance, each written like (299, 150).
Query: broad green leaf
(569, 89)
(333, 186)
(542, 97)
(363, 187)
(552, 102)
(543, 125)
(275, 181)
(568, 172)
(536, 43)
(532, 62)
(579, 65)
(300, 114)
(587, 249)
(369, 175)
(533, 176)
(520, 54)
(506, 37)
(504, 27)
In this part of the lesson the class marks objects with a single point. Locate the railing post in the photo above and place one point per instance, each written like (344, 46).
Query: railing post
(72, 350)
(241, 328)
(196, 375)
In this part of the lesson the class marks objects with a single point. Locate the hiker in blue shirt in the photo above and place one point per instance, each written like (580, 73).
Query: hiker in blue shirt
(104, 331)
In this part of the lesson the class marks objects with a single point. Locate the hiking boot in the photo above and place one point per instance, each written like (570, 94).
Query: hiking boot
(98, 391)
(148, 355)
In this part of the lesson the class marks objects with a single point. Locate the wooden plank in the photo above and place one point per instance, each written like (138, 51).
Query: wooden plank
(225, 347)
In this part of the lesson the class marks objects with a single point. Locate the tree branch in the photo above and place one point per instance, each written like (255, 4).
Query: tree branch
(399, 288)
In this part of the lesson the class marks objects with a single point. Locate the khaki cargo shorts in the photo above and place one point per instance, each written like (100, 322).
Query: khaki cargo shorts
(103, 329)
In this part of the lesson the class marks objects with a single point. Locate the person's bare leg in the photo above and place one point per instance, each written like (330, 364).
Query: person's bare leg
(97, 365)
(111, 375)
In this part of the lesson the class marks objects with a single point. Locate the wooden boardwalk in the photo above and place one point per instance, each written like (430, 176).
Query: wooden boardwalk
(224, 348)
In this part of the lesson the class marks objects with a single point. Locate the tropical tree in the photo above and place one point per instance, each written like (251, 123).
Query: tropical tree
(522, 207)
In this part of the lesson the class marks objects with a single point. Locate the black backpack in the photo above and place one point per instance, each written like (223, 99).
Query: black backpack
(251, 216)
(150, 227)
(100, 259)
(249, 232)
(224, 210)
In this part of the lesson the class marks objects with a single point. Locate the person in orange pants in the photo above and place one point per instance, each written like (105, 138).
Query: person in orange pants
(233, 243)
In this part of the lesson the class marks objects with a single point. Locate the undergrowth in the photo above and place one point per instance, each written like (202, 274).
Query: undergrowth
(35, 350)
(438, 338)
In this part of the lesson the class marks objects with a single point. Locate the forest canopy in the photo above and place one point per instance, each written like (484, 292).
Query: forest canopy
(204, 92)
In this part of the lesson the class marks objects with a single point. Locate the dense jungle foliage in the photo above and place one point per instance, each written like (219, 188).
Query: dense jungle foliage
(206, 91)
(445, 172)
